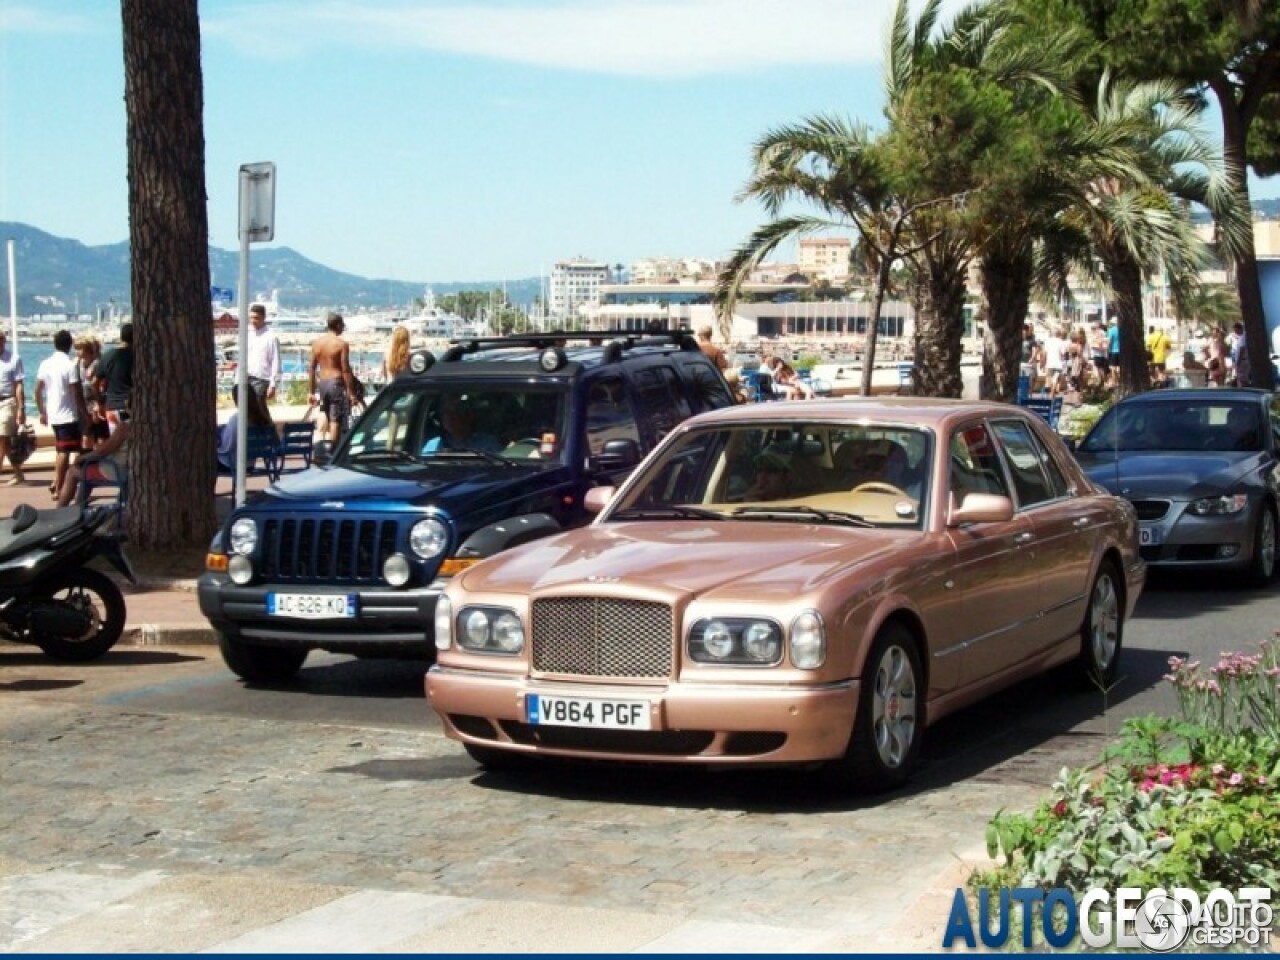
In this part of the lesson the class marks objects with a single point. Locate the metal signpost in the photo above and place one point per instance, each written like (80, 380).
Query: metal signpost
(257, 224)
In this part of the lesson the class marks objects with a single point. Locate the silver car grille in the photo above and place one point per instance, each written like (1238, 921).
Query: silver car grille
(602, 637)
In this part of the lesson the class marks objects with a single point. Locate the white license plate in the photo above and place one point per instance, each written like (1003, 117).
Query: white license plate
(587, 712)
(1148, 536)
(312, 606)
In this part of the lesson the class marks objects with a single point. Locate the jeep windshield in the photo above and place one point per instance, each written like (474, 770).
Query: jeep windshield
(842, 474)
(458, 424)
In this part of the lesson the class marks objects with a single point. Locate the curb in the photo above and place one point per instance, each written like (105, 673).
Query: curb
(168, 635)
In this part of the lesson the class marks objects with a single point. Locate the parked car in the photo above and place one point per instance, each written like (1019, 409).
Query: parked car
(1202, 468)
(494, 445)
(793, 583)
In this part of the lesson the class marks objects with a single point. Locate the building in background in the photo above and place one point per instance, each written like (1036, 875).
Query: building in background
(826, 258)
(575, 287)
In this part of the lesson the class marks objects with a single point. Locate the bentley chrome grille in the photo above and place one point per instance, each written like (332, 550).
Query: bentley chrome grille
(602, 637)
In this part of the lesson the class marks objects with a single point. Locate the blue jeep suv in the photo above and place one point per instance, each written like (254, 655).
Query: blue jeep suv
(493, 445)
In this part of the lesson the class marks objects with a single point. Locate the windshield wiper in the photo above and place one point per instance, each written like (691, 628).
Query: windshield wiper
(447, 452)
(803, 512)
(667, 512)
(384, 455)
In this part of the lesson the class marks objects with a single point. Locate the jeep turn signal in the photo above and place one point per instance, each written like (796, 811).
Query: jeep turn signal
(217, 562)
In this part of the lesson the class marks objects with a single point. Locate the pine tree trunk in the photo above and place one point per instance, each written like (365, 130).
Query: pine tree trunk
(172, 468)
(1006, 285)
(940, 324)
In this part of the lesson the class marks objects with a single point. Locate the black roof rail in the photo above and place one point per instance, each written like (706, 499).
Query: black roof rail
(681, 337)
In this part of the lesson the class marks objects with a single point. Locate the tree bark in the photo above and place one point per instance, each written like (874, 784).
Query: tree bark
(172, 467)
(1125, 277)
(1006, 286)
(940, 322)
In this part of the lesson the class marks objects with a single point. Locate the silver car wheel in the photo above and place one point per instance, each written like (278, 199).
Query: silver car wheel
(1104, 623)
(893, 708)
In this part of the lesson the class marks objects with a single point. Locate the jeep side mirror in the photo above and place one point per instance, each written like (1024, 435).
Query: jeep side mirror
(622, 454)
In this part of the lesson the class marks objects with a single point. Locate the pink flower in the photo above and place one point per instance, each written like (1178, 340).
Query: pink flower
(1262, 781)
(1218, 769)
(1235, 779)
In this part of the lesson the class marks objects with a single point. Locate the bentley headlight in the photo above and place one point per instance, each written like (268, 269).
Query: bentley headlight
(490, 630)
(443, 623)
(244, 536)
(1219, 506)
(736, 640)
(808, 641)
(428, 538)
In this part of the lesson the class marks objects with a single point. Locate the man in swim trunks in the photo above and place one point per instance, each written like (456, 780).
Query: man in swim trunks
(331, 366)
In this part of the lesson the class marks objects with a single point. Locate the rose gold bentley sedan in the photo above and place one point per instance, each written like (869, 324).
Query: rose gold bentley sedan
(797, 583)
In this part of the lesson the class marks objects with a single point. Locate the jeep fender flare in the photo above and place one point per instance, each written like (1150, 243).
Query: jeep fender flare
(508, 533)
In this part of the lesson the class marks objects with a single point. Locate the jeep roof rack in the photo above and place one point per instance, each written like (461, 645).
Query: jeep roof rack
(681, 337)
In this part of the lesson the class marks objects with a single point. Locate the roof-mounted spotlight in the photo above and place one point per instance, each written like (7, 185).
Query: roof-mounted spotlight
(552, 359)
(420, 361)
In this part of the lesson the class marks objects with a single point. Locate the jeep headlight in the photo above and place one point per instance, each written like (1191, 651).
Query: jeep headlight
(808, 641)
(244, 536)
(428, 538)
(1219, 506)
(490, 630)
(736, 640)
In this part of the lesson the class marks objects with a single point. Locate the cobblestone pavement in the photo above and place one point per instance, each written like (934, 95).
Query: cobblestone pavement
(129, 828)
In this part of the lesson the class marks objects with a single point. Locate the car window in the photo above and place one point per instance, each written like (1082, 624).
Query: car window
(660, 401)
(709, 391)
(975, 464)
(1026, 458)
(1178, 424)
(609, 413)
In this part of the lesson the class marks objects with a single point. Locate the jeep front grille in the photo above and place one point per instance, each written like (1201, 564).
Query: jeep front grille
(602, 637)
(342, 550)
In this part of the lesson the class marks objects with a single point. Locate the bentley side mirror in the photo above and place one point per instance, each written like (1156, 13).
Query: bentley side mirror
(981, 508)
(598, 498)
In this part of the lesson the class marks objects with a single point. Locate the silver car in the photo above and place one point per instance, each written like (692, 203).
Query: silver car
(1202, 468)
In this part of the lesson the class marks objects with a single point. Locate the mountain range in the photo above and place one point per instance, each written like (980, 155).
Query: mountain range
(58, 275)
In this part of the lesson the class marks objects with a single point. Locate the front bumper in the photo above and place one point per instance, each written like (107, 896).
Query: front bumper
(385, 618)
(1182, 539)
(714, 724)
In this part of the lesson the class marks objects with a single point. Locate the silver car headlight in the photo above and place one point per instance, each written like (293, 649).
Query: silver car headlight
(490, 630)
(808, 640)
(443, 623)
(428, 538)
(736, 640)
(244, 536)
(1219, 506)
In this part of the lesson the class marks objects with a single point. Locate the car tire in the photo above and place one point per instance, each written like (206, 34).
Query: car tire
(889, 725)
(1102, 633)
(493, 759)
(1262, 565)
(259, 664)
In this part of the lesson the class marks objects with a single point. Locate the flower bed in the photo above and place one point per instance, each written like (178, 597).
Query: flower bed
(1187, 802)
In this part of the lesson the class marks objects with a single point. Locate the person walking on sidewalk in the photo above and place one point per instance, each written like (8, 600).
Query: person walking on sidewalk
(115, 377)
(61, 404)
(335, 393)
(264, 354)
(12, 408)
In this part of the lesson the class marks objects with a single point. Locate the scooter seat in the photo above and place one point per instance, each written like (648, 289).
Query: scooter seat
(29, 527)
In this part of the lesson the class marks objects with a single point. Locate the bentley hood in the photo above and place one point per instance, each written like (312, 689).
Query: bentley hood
(762, 562)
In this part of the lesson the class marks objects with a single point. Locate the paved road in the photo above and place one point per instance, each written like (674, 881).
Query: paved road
(154, 803)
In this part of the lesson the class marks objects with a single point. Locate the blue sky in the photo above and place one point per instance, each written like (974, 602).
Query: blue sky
(447, 140)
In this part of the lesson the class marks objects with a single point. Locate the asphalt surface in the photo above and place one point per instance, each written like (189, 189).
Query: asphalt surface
(154, 802)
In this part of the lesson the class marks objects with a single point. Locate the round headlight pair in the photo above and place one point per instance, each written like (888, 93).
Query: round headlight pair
(490, 630)
(732, 640)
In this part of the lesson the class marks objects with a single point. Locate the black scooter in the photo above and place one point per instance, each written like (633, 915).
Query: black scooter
(48, 596)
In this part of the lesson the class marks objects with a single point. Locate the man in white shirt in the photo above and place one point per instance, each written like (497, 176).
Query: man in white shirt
(264, 354)
(12, 408)
(60, 401)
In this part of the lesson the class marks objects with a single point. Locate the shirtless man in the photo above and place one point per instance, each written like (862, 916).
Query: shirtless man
(331, 362)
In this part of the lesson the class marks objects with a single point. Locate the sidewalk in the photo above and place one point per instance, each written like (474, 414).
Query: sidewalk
(162, 611)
